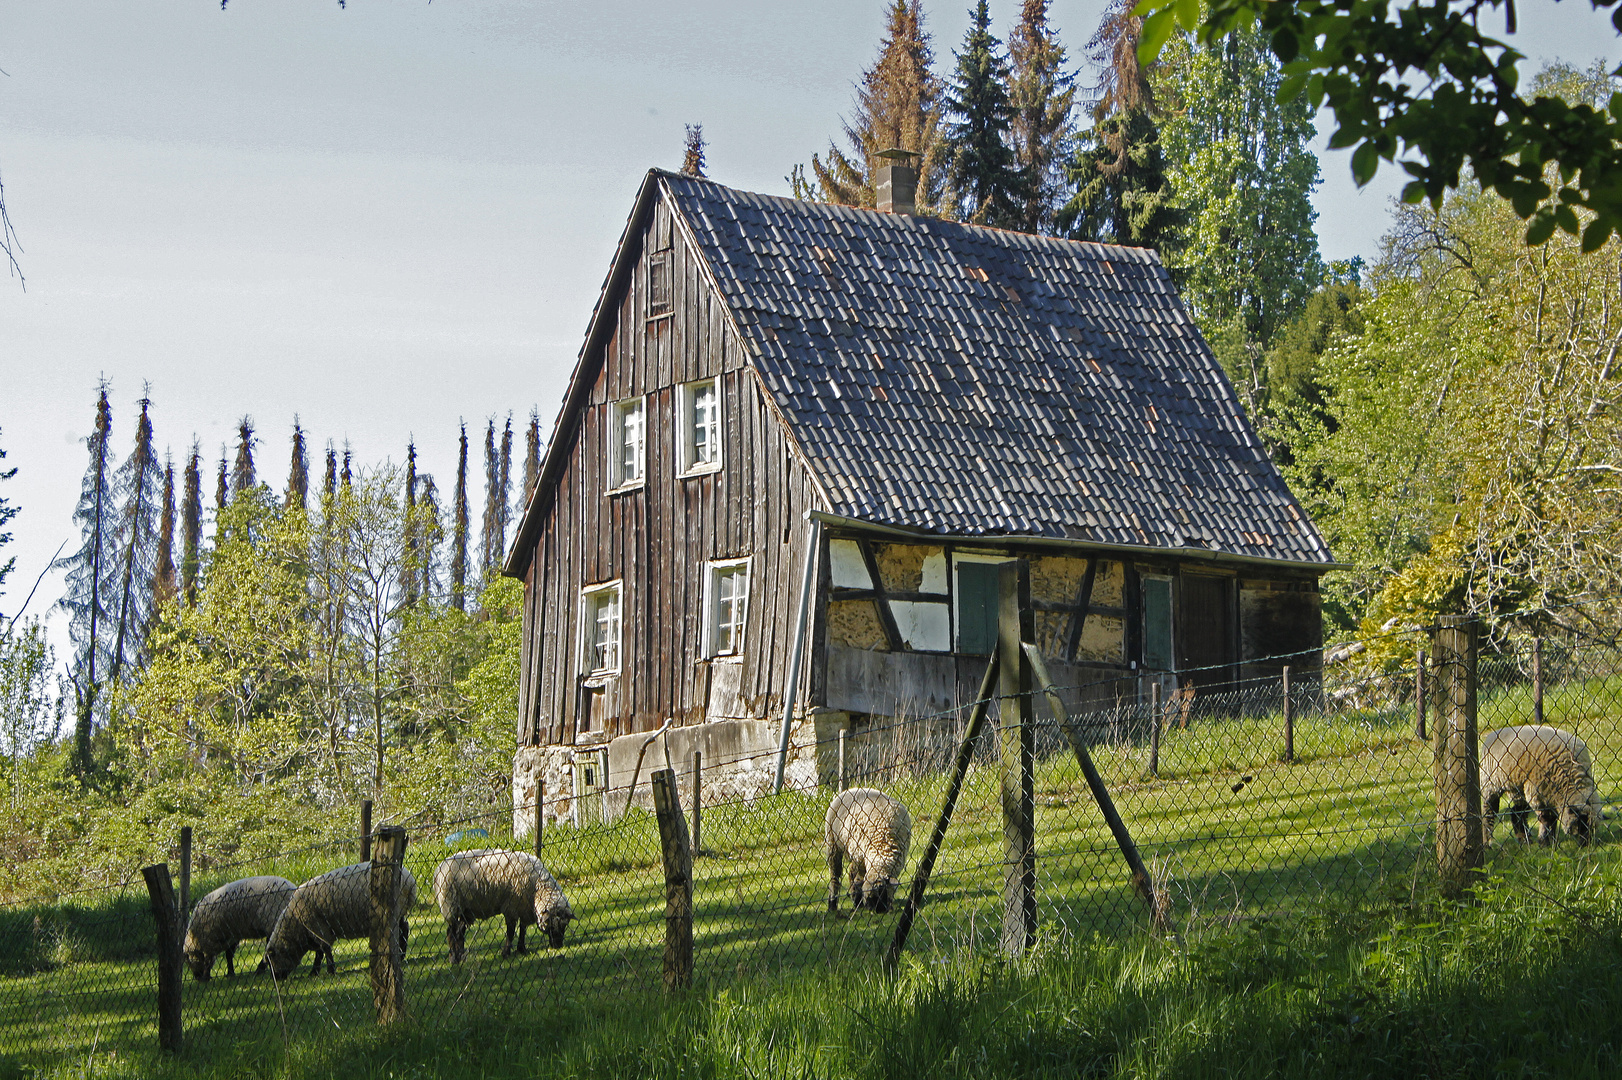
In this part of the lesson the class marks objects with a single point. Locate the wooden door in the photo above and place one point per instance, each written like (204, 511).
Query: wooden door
(1205, 632)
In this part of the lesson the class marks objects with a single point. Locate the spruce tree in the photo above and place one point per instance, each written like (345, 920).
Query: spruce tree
(431, 533)
(459, 529)
(298, 471)
(242, 475)
(504, 503)
(191, 524)
(222, 489)
(1042, 94)
(164, 585)
(492, 513)
(345, 477)
(1122, 194)
(986, 185)
(7, 512)
(90, 580)
(139, 483)
(692, 162)
(532, 459)
(329, 484)
(898, 106)
(409, 577)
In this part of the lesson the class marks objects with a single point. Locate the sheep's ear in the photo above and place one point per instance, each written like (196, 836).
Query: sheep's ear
(895, 881)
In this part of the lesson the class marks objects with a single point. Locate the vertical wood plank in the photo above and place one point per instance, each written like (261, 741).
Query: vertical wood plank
(388, 946)
(1457, 767)
(678, 865)
(1016, 623)
(161, 891)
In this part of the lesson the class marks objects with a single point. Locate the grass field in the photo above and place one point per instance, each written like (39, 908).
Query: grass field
(1235, 837)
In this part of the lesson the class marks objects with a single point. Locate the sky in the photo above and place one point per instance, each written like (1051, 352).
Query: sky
(395, 216)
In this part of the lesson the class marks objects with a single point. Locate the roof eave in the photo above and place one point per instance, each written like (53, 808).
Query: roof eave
(998, 539)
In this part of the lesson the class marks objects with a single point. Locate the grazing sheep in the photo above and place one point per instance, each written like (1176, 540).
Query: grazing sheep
(231, 913)
(874, 832)
(331, 907)
(1544, 769)
(481, 884)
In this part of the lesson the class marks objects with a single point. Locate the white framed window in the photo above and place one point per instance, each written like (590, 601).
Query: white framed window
(726, 603)
(600, 628)
(700, 425)
(627, 441)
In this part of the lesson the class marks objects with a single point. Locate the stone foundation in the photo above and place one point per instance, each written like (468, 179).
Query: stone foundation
(555, 765)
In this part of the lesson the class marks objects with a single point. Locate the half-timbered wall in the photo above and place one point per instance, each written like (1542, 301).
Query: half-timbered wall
(658, 538)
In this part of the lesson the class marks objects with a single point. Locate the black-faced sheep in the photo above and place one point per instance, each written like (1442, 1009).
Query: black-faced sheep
(230, 914)
(331, 907)
(1542, 768)
(481, 884)
(873, 831)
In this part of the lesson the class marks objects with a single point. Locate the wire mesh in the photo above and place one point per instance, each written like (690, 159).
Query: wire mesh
(1242, 799)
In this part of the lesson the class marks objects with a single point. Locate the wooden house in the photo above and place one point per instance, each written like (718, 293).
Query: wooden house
(911, 402)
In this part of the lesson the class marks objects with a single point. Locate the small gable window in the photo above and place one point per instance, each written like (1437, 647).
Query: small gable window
(728, 604)
(626, 441)
(600, 628)
(700, 425)
(660, 294)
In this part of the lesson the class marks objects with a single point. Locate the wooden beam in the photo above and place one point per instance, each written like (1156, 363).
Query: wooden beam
(892, 633)
(1078, 616)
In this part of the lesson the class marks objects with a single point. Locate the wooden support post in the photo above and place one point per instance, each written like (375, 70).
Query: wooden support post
(1421, 694)
(954, 787)
(1095, 782)
(161, 890)
(1289, 718)
(1456, 765)
(1537, 680)
(1154, 728)
(698, 803)
(540, 810)
(842, 774)
(185, 873)
(1016, 623)
(678, 860)
(388, 934)
(366, 830)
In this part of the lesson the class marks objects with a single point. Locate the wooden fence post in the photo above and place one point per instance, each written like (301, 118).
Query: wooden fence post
(698, 803)
(1456, 765)
(1537, 680)
(1154, 728)
(1421, 694)
(366, 830)
(540, 807)
(954, 787)
(1289, 718)
(161, 890)
(678, 861)
(388, 935)
(185, 872)
(1016, 623)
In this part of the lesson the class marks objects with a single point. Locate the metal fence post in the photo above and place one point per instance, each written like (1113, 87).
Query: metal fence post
(185, 872)
(1537, 680)
(1289, 719)
(1154, 728)
(841, 759)
(161, 890)
(540, 807)
(388, 930)
(1421, 692)
(1016, 623)
(678, 864)
(1455, 762)
(698, 802)
(366, 830)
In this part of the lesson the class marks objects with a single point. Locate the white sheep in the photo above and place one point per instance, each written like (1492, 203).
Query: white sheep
(230, 914)
(874, 832)
(1545, 769)
(484, 883)
(331, 907)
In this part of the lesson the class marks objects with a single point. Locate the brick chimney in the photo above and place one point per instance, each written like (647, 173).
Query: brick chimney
(897, 182)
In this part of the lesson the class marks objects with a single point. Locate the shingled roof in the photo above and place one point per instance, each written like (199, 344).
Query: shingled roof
(949, 379)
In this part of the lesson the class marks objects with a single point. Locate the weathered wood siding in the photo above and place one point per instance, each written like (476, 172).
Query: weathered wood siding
(658, 538)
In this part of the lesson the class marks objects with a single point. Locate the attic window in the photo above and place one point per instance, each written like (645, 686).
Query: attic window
(660, 301)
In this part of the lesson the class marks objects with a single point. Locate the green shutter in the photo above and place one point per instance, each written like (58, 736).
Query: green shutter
(1157, 624)
(978, 585)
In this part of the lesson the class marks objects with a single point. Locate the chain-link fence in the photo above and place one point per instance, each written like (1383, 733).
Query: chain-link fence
(1238, 797)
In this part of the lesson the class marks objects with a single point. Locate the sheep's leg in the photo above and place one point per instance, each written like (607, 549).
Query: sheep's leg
(315, 968)
(1548, 821)
(858, 879)
(1518, 812)
(1489, 814)
(405, 935)
(456, 938)
(230, 960)
(507, 947)
(522, 927)
(836, 873)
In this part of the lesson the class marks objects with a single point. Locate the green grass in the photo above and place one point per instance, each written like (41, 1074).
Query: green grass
(1283, 879)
